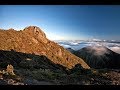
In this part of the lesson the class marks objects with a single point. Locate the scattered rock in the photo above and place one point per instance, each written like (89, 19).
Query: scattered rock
(10, 70)
(13, 82)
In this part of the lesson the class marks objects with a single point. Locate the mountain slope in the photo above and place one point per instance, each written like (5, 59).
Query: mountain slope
(70, 49)
(99, 57)
(32, 40)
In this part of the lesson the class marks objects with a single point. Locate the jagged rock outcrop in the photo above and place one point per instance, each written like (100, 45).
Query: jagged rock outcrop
(33, 40)
(37, 33)
(10, 70)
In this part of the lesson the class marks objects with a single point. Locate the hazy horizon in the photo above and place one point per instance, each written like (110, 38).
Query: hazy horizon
(65, 22)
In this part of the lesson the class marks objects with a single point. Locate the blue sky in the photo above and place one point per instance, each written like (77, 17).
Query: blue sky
(66, 22)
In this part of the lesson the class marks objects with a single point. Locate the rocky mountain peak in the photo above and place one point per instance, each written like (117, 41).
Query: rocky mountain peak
(32, 40)
(36, 32)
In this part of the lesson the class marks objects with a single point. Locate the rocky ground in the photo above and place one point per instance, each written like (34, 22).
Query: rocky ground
(46, 77)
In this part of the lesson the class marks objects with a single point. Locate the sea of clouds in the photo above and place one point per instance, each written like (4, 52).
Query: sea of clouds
(78, 44)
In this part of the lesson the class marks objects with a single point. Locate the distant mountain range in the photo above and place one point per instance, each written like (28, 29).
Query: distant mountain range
(98, 57)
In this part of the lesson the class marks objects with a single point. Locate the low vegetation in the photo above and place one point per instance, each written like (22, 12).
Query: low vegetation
(27, 57)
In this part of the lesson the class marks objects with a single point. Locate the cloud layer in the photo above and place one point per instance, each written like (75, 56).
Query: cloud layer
(76, 45)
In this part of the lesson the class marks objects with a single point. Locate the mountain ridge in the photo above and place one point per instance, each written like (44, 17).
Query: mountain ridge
(34, 41)
(99, 57)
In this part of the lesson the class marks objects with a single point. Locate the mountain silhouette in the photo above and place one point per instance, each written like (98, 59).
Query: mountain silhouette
(70, 49)
(99, 57)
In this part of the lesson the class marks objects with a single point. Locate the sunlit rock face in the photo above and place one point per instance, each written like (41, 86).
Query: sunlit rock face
(37, 33)
(33, 40)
